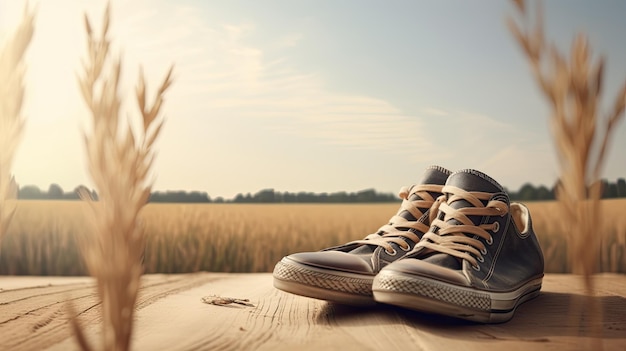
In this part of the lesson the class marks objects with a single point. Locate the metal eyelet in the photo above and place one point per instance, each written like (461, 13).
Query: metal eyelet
(408, 248)
(496, 227)
(483, 251)
(489, 241)
(480, 259)
(393, 252)
(476, 268)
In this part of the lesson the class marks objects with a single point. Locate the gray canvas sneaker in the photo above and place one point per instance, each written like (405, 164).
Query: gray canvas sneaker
(479, 260)
(345, 273)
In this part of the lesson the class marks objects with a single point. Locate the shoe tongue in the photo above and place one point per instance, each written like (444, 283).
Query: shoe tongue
(435, 175)
(472, 180)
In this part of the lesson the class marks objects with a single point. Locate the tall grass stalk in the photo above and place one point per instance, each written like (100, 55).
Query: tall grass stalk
(572, 85)
(12, 70)
(119, 163)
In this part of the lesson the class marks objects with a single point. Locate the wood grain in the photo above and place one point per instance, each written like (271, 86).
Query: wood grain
(172, 316)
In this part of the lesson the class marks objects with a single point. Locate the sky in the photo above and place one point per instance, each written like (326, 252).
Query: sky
(318, 96)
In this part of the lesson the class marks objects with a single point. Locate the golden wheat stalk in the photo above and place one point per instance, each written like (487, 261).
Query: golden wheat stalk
(119, 163)
(12, 70)
(573, 87)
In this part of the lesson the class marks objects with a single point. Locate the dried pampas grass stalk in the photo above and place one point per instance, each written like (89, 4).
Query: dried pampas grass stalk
(119, 162)
(11, 119)
(582, 134)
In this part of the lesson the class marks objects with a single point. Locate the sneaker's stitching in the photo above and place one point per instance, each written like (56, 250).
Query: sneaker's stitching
(440, 169)
(503, 237)
(483, 176)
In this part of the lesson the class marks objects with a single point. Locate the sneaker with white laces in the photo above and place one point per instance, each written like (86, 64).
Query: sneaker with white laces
(345, 273)
(479, 261)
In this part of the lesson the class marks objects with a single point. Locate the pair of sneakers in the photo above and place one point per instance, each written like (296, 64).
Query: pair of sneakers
(456, 247)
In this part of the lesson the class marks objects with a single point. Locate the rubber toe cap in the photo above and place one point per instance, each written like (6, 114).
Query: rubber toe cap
(334, 260)
(422, 268)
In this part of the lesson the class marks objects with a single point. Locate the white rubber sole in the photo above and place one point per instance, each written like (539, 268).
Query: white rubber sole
(324, 284)
(432, 296)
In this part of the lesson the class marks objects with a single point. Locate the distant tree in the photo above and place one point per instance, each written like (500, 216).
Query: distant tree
(368, 195)
(196, 197)
(55, 191)
(179, 196)
(543, 193)
(341, 196)
(30, 192)
(323, 197)
(527, 192)
(288, 197)
(612, 191)
(621, 187)
(305, 197)
(243, 198)
(265, 196)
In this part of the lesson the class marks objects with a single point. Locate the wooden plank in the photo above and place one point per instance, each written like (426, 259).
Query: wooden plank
(171, 316)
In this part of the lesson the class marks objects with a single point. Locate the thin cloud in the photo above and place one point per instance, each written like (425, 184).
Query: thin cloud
(503, 150)
(234, 80)
(431, 111)
(289, 40)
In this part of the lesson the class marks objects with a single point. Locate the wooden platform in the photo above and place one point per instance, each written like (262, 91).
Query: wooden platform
(171, 316)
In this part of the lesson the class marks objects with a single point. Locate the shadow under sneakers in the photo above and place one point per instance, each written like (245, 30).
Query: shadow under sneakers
(345, 273)
(479, 260)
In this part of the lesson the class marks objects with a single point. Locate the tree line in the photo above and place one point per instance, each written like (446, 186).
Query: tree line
(528, 192)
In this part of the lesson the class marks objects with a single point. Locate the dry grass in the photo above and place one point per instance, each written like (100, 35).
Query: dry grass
(250, 237)
(253, 237)
(581, 133)
(12, 70)
(554, 238)
(119, 163)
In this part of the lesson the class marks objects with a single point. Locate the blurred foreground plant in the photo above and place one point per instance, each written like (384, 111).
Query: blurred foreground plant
(119, 163)
(572, 85)
(12, 70)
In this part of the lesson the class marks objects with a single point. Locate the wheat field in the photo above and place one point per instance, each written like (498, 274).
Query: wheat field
(42, 238)
(127, 237)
